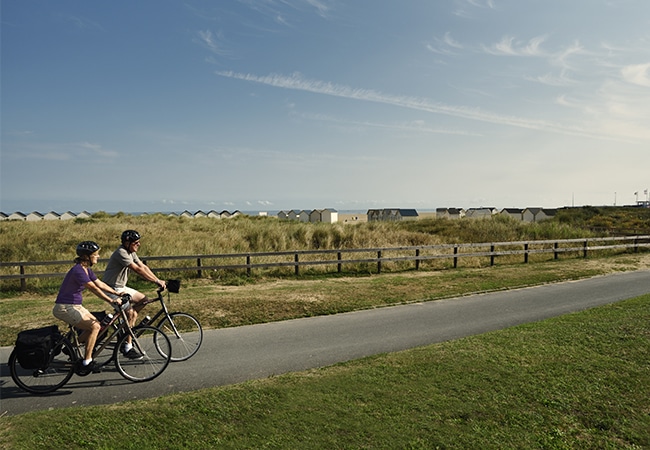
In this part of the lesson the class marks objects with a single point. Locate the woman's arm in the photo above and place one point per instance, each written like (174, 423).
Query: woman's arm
(97, 290)
(105, 287)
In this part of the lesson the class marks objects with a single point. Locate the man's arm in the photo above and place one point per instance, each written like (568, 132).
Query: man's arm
(146, 273)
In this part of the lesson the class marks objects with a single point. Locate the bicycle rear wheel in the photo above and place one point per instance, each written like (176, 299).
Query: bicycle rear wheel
(48, 379)
(184, 333)
(156, 351)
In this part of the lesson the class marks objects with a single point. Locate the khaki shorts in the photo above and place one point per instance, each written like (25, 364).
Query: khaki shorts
(70, 314)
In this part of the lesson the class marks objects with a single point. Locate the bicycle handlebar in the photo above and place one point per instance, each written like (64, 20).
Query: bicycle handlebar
(126, 303)
(171, 286)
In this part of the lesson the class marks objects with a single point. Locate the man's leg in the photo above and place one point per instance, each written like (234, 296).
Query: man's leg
(138, 301)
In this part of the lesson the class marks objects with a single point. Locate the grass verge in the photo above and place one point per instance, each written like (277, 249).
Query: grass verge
(577, 381)
(265, 300)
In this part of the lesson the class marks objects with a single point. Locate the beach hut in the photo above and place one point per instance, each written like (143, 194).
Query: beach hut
(329, 215)
(52, 216)
(515, 213)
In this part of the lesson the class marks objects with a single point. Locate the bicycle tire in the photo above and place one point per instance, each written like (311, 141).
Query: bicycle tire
(153, 362)
(43, 381)
(187, 338)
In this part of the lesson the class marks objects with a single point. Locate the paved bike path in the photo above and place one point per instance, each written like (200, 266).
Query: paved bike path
(233, 355)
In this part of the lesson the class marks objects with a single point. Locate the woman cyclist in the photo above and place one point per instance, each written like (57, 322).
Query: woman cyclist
(68, 306)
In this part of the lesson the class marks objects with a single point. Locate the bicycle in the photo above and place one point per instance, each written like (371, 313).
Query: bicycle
(183, 330)
(66, 356)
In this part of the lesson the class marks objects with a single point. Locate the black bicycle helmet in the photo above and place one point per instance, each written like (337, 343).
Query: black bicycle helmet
(87, 248)
(130, 236)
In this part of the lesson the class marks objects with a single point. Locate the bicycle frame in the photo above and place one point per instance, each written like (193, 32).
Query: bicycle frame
(105, 337)
(123, 326)
(183, 329)
(163, 312)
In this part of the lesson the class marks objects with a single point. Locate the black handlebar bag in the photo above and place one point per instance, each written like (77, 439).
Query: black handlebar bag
(174, 286)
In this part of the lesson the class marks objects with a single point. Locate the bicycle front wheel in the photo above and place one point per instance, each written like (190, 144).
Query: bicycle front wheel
(184, 333)
(47, 379)
(107, 342)
(155, 349)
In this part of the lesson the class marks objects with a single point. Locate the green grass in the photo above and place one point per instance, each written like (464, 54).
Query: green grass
(165, 236)
(577, 381)
(269, 299)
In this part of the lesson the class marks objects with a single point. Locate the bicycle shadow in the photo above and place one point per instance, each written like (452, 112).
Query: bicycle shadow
(109, 376)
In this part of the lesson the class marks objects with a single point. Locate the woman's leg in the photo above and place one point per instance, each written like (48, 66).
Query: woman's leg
(91, 327)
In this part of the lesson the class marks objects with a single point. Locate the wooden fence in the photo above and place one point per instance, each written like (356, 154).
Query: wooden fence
(375, 256)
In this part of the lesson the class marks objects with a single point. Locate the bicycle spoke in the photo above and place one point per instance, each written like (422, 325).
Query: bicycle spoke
(155, 349)
(184, 333)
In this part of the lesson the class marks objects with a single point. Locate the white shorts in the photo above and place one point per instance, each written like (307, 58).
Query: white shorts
(123, 290)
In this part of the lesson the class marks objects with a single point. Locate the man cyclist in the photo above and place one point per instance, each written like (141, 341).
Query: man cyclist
(123, 260)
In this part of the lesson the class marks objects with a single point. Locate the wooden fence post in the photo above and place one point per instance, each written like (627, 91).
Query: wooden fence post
(198, 264)
(23, 281)
(491, 254)
(248, 265)
(584, 249)
(526, 253)
(297, 270)
(556, 254)
(379, 261)
(455, 257)
(339, 265)
(417, 259)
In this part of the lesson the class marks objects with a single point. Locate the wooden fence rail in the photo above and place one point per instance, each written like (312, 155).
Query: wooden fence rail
(303, 258)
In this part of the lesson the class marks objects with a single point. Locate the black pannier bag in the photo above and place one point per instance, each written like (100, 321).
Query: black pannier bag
(33, 347)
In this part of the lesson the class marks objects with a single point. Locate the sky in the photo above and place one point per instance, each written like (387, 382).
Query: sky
(266, 105)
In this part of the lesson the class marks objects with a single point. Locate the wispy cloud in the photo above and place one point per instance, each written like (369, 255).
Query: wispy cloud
(409, 127)
(481, 3)
(445, 45)
(18, 133)
(562, 58)
(281, 20)
(638, 74)
(61, 152)
(279, 11)
(97, 150)
(297, 82)
(321, 7)
(212, 42)
(550, 79)
(509, 47)
(79, 22)
(467, 8)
